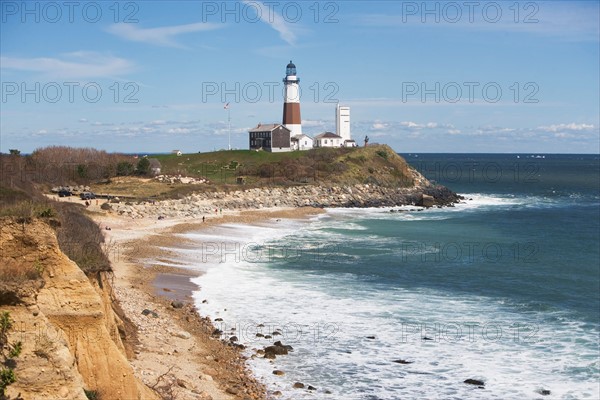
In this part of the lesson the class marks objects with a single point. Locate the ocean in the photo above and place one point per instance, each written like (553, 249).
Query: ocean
(404, 303)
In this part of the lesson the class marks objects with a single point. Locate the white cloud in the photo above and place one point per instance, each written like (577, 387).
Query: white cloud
(81, 64)
(576, 21)
(275, 20)
(163, 36)
(83, 120)
(409, 124)
(378, 126)
(567, 127)
(179, 131)
(308, 123)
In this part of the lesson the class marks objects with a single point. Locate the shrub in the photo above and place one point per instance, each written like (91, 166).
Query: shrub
(125, 168)
(13, 271)
(81, 240)
(28, 209)
(383, 154)
(7, 375)
(143, 166)
(92, 394)
(43, 346)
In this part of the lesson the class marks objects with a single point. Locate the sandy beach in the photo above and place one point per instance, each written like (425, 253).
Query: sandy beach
(173, 349)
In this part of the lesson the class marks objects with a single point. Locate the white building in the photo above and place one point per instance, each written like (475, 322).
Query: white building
(342, 122)
(328, 139)
(302, 142)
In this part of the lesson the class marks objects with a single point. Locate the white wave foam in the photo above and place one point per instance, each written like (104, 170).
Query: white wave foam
(328, 319)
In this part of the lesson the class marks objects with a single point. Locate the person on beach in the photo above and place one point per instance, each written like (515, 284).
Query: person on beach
(203, 218)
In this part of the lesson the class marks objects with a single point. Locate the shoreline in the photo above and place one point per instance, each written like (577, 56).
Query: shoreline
(175, 349)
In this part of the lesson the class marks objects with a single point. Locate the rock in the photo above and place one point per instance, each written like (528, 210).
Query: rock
(260, 335)
(311, 387)
(426, 338)
(401, 361)
(426, 201)
(217, 332)
(277, 393)
(278, 372)
(177, 304)
(149, 312)
(232, 390)
(371, 337)
(544, 392)
(276, 350)
(233, 339)
(182, 335)
(183, 384)
(218, 319)
(298, 385)
(287, 346)
(63, 392)
(476, 382)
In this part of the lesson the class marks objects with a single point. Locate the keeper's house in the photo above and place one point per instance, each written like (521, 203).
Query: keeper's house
(328, 139)
(270, 137)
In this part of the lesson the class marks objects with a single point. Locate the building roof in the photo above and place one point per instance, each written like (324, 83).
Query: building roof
(328, 135)
(298, 137)
(266, 128)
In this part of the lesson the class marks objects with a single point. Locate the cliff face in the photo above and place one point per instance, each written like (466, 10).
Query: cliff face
(68, 329)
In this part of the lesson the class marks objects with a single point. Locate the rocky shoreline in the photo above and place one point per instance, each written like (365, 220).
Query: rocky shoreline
(355, 196)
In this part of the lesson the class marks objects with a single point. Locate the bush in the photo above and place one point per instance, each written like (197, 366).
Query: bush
(92, 394)
(383, 154)
(7, 375)
(81, 240)
(125, 168)
(143, 166)
(28, 209)
(13, 271)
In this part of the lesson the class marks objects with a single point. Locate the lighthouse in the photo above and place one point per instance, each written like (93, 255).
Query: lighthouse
(291, 105)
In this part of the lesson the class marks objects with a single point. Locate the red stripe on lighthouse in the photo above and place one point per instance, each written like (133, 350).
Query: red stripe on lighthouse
(291, 113)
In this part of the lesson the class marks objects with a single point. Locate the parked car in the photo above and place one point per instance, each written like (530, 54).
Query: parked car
(87, 196)
(64, 193)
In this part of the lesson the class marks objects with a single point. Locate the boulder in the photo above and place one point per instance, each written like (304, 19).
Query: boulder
(276, 350)
(475, 382)
(426, 201)
(182, 335)
(177, 304)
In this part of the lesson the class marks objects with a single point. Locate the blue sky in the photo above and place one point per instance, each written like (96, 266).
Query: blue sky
(152, 76)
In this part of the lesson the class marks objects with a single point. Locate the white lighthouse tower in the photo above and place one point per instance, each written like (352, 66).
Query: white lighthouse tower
(291, 105)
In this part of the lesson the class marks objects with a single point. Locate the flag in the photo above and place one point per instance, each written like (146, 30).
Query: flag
(226, 106)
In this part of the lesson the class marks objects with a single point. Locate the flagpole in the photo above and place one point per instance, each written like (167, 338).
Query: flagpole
(229, 121)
